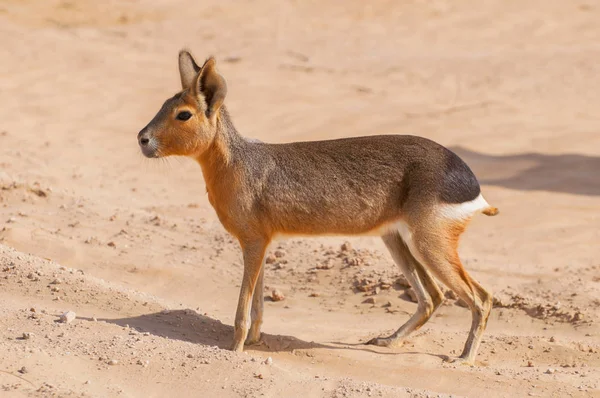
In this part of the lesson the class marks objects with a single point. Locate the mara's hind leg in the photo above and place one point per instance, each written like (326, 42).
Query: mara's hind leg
(435, 246)
(428, 293)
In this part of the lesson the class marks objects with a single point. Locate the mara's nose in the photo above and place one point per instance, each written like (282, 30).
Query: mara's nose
(143, 139)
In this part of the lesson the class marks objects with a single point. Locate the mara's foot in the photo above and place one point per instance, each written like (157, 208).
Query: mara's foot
(237, 346)
(460, 361)
(253, 340)
(385, 342)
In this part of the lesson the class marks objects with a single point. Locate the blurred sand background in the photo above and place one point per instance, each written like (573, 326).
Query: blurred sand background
(134, 248)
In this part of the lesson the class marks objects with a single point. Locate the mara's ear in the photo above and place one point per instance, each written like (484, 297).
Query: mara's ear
(188, 69)
(212, 86)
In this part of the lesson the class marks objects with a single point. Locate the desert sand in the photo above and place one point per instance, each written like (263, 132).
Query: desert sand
(132, 246)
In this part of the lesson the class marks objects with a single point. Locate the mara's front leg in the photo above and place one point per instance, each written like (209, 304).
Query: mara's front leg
(254, 253)
(258, 303)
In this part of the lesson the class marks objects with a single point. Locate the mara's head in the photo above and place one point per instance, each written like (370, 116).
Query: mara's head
(187, 122)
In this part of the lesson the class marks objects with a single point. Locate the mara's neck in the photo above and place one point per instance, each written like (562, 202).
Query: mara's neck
(224, 152)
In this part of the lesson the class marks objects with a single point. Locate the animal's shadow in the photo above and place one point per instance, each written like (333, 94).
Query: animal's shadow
(566, 173)
(190, 326)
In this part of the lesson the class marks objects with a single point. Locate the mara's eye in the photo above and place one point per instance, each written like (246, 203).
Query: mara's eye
(185, 115)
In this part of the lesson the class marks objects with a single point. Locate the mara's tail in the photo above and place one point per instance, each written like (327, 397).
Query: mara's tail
(490, 211)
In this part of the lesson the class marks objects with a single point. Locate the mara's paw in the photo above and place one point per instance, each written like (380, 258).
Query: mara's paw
(460, 361)
(237, 346)
(384, 342)
(253, 340)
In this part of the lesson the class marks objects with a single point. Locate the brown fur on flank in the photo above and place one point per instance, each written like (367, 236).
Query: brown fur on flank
(404, 188)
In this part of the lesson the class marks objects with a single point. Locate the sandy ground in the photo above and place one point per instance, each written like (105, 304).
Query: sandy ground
(133, 247)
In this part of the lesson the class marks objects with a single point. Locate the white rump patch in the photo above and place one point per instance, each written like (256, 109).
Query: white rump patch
(463, 210)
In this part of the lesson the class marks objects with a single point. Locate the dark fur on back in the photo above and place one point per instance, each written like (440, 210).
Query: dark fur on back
(459, 183)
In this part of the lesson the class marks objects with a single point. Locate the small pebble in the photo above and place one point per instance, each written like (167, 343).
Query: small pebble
(370, 300)
(113, 362)
(279, 253)
(269, 361)
(277, 295)
(325, 265)
(68, 317)
(402, 282)
(23, 370)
